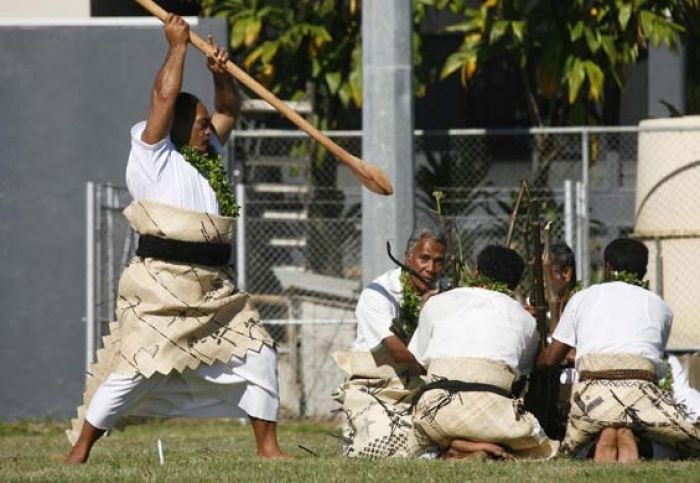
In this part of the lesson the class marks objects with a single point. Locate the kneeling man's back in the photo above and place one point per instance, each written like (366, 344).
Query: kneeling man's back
(474, 343)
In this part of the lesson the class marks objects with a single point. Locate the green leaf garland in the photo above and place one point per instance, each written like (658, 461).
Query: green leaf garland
(211, 167)
(481, 281)
(409, 308)
(667, 382)
(627, 277)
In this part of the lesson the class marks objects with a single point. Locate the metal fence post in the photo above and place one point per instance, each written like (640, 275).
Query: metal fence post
(238, 174)
(240, 238)
(110, 307)
(569, 213)
(89, 274)
(578, 229)
(585, 262)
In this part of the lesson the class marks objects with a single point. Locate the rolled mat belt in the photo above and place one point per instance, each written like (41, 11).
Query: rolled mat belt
(619, 375)
(193, 253)
(453, 386)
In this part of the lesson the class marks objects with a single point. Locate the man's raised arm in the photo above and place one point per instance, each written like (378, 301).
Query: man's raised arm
(227, 102)
(168, 82)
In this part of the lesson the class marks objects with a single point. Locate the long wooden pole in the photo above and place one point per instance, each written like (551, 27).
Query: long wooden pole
(372, 177)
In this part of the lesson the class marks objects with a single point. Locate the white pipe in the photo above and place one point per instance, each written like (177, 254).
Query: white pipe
(109, 240)
(295, 133)
(240, 237)
(568, 213)
(578, 247)
(585, 262)
(89, 274)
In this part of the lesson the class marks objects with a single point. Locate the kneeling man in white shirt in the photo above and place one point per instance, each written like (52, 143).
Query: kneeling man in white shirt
(474, 342)
(620, 329)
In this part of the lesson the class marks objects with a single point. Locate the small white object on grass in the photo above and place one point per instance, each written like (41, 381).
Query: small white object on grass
(161, 452)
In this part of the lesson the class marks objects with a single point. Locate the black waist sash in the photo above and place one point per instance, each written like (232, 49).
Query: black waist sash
(453, 386)
(192, 253)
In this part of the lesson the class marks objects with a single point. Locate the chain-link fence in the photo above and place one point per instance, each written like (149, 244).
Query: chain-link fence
(298, 247)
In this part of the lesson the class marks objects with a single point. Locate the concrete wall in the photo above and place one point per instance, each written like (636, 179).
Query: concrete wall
(44, 8)
(69, 94)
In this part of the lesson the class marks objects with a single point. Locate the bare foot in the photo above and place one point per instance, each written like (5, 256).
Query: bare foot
(606, 447)
(276, 454)
(77, 456)
(627, 450)
(453, 454)
(81, 449)
(266, 439)
(466, 447)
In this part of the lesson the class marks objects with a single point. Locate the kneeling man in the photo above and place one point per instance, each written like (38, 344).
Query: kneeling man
(619, 329)
(382, 374)
(474, 343)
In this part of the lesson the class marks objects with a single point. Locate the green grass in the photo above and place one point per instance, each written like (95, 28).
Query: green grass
(223, 451)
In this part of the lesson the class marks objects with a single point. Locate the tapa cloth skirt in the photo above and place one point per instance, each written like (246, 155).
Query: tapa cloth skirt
(441, 416)
(376, 403)
(173, 317)
(642, 406)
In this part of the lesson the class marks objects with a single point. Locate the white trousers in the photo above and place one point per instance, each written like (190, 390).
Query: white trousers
(242, 387)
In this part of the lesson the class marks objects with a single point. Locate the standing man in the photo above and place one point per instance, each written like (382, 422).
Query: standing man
(619, 330)
(382, 373)
(186, 343)
(474, 342)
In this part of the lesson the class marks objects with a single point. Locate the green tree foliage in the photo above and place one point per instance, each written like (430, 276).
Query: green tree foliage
(287, 43)
(564, 50)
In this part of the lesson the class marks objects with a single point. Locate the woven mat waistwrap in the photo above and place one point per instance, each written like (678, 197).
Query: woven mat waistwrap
(645, 408)
(614, 362)
(473, 370)
(441, 415)
(376, 364)
(174, 316)
(166, 221)
(375, 401)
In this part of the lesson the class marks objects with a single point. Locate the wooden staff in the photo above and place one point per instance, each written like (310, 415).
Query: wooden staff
(537, 288)
(543, 387)
(372, 177)
(553, 300)
(514, 215)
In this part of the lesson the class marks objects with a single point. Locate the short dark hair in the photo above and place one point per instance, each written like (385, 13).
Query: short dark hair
(627, 255)
(563, 256)
(183, 118)
(501, 264)
(434, 232)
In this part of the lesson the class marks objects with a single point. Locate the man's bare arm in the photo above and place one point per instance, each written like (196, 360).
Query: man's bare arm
(399, 352)
(168, 81)
(552, 355)
(227, 102)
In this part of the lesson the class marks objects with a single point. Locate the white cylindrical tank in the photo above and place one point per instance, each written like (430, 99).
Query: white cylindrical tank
(667, 208)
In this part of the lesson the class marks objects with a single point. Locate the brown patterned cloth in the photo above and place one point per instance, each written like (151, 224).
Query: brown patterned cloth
(649, 411)
(175, 316)
(441, 416)
(376, 402)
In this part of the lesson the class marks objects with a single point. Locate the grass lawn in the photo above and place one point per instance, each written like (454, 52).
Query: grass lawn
(223, 450)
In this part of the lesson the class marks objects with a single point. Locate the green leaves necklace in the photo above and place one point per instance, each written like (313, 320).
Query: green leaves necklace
(627, 277)
(481, 281)
(409, 307)
(211, 167)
